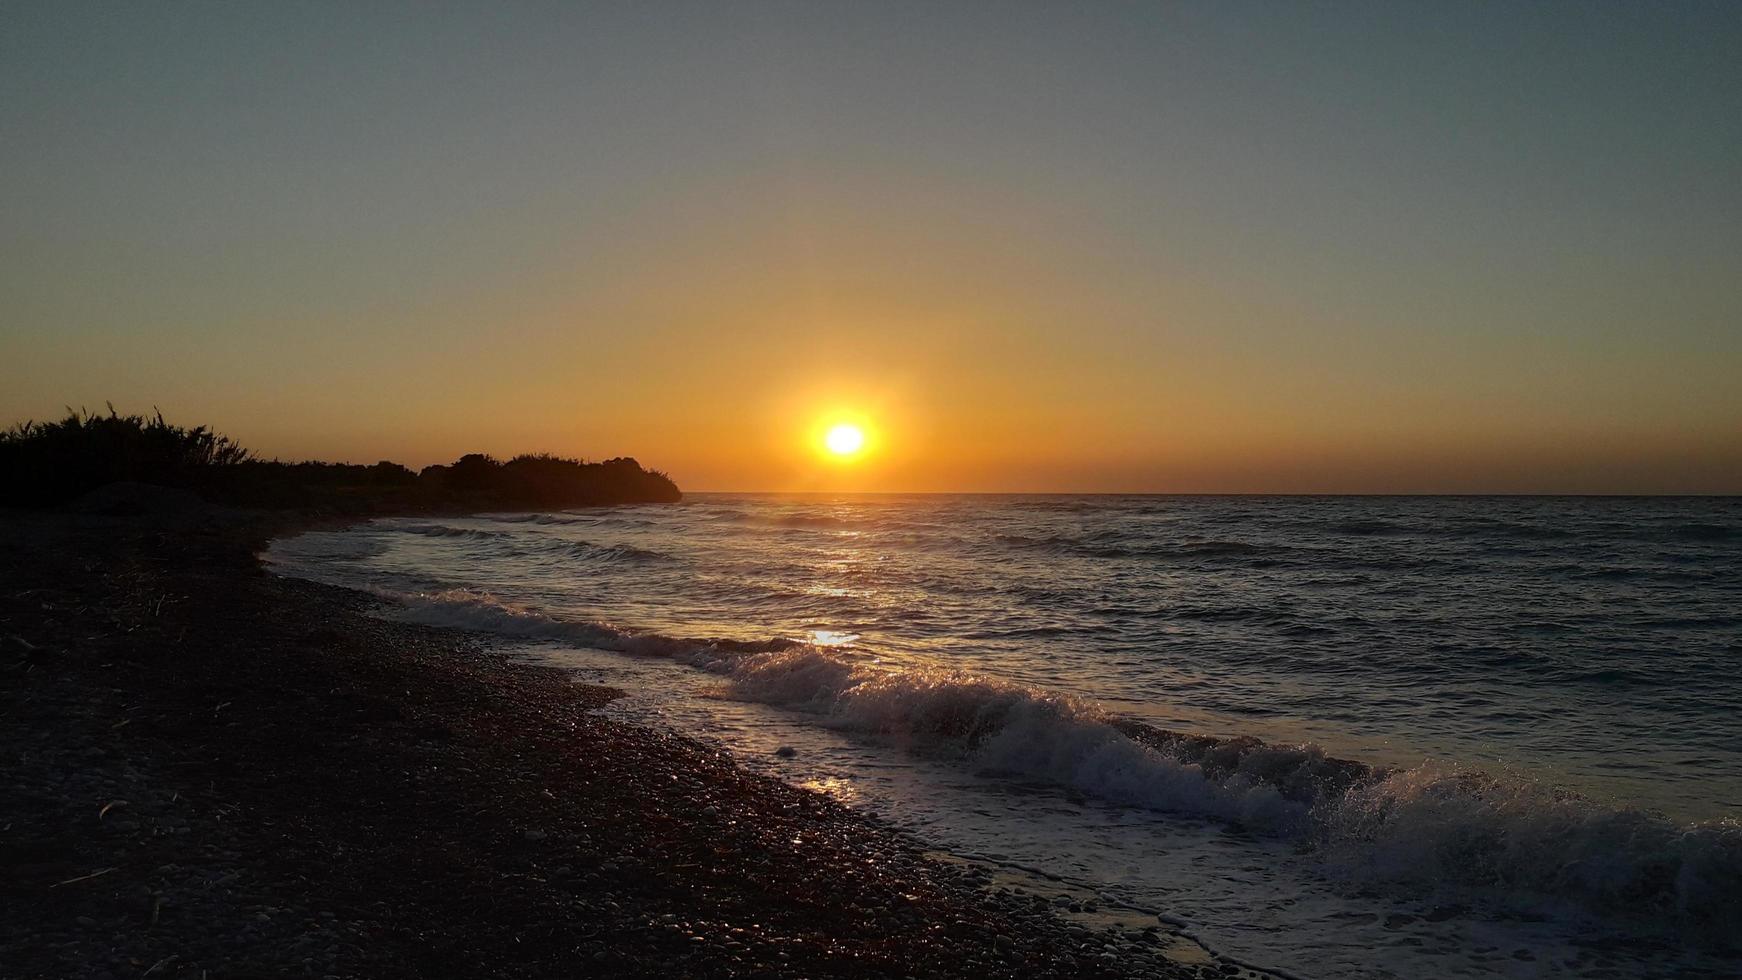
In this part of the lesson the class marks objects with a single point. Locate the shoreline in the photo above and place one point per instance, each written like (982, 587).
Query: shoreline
(1408, 857)
(220, 770)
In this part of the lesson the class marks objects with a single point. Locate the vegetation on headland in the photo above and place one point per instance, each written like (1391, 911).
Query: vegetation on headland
(47, 464)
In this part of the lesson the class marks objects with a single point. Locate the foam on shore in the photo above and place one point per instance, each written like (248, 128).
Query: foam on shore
(1417, 828)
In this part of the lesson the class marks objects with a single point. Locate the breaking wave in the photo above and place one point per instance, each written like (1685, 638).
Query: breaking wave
(1416, 829)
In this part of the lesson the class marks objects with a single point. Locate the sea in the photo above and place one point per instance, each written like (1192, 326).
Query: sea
(1328, 737)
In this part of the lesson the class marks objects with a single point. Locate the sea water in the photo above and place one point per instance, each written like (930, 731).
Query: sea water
(1539, 700)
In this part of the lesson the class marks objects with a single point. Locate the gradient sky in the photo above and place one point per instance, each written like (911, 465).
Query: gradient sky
(1236, 247)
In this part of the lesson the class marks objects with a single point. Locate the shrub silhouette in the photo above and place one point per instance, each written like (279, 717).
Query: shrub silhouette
(544, 480)
(473, 473)
(49, 463)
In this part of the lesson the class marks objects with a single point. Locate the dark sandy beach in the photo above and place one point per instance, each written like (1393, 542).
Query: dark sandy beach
(210, 771)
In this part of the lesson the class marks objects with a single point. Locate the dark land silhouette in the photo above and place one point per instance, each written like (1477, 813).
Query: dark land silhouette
(50, 464)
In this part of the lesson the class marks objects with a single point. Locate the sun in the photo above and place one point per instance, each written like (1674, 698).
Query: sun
(844, 439)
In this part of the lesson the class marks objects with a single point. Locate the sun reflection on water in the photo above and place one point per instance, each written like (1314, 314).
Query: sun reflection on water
(835, 787)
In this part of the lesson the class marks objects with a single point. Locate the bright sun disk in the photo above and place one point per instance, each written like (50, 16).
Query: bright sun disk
(844, 439)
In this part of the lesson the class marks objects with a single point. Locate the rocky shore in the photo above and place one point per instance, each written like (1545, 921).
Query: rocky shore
(210, 771)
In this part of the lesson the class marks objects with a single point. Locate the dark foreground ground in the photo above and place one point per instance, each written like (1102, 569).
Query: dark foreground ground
(208, 771)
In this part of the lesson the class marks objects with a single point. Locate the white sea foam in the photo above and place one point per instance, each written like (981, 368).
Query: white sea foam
(1421, 827)
(1428, 825)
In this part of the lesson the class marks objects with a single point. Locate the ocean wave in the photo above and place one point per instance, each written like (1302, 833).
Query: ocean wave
(1055, 506)
(1215, 614)
(606, 552)
(809, 520)
(1225, 548)
(545, 519)
(443, 531)
(882, 525)
(1613, 573)
(1103, 546)
(1422, 827)
(1510, 529)
(1426, 827)
(310, 551)
(533, 546)
(1703, 532)
(485, 613)
(1063, 545)
(719, 513)
(799, 520)
(1371, 527)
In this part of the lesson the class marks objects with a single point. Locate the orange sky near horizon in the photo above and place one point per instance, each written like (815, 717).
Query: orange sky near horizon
(963, 374)
(1216, 249)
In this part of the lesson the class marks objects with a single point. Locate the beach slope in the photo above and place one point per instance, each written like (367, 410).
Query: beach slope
(210, 770)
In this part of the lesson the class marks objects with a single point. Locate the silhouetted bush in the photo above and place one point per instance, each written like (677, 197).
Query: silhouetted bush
(543, 480)
(474, 473)
(546, 480)
(50, 463)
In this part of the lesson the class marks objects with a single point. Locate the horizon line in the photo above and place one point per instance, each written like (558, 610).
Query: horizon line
(1222, 493)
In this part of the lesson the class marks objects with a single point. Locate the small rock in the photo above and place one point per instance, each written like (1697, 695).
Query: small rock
(536, 835)
(786, 752)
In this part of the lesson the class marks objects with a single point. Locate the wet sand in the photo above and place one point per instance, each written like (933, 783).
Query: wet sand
(210, 771)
